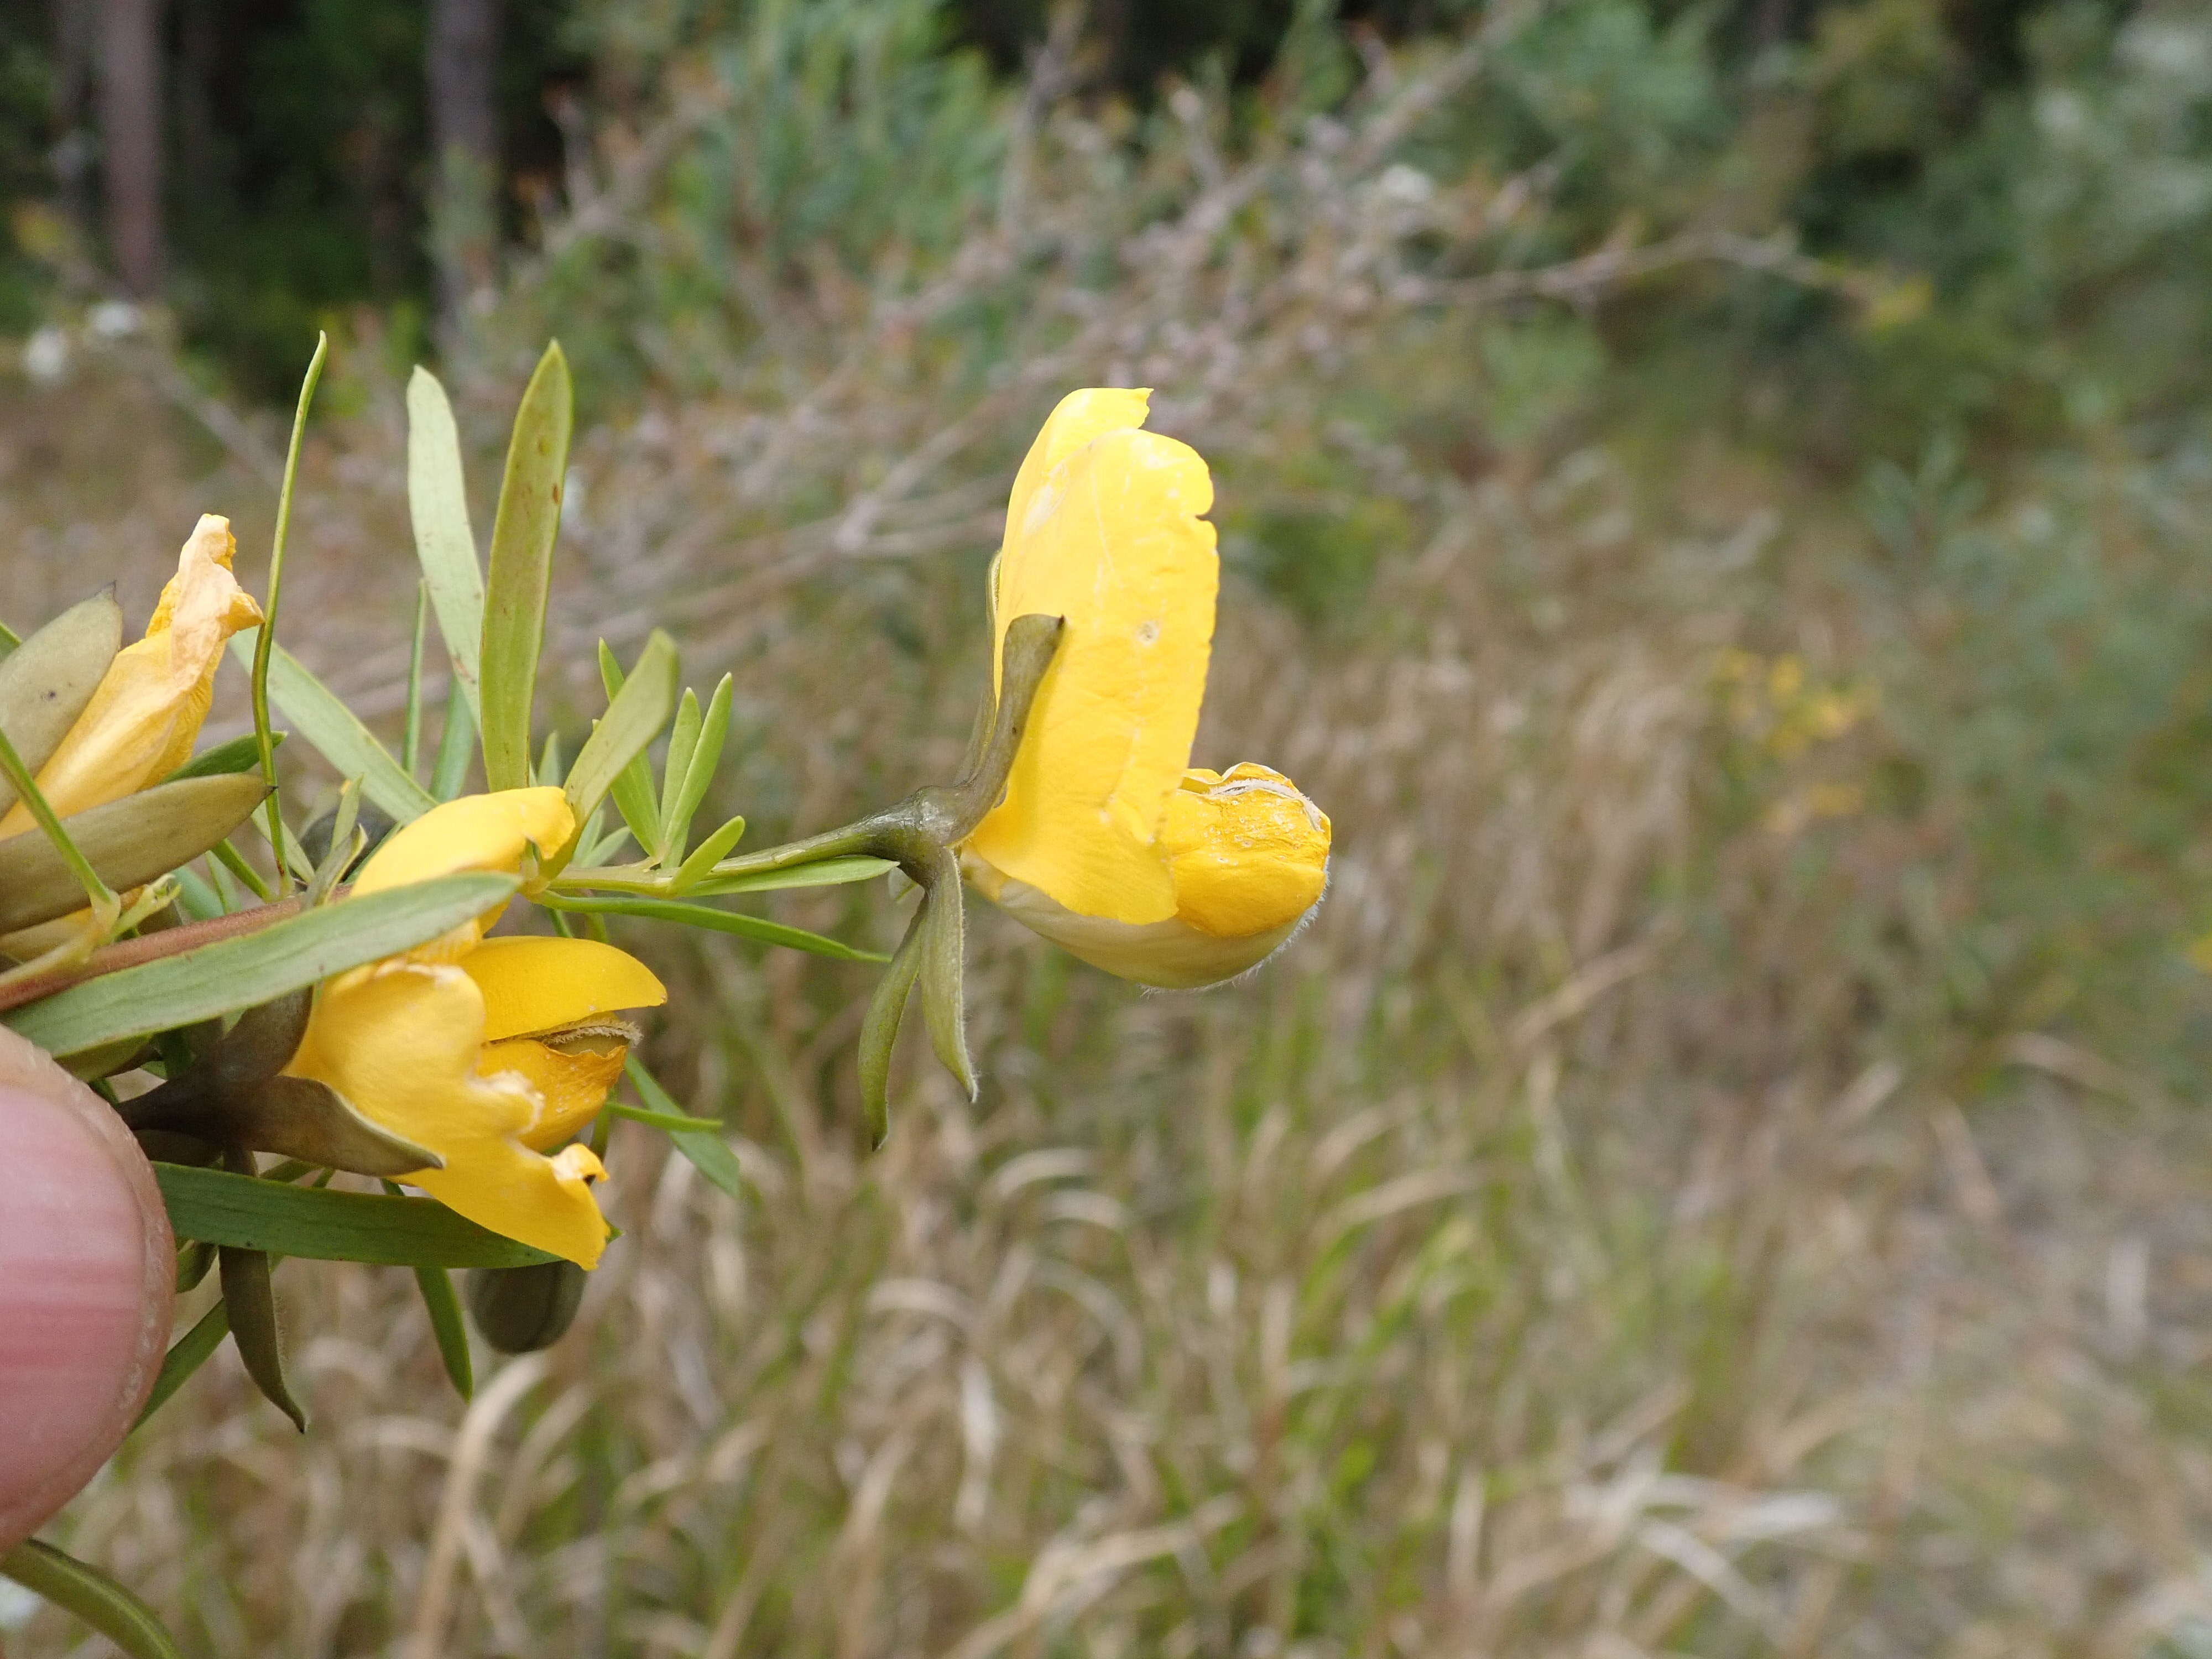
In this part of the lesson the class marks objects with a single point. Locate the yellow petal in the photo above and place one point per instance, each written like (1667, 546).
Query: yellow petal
(492, 832)
(1248, 853)
(1074, 421)
(401, 1042)
(143, 719)
(1171, 955)
(534, 985)
(1111, 539)
(571, 1081)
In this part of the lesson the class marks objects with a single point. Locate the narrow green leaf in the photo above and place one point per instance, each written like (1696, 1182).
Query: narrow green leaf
(633, 785)
(550, 768)
(410, 737)
(718, 921)
(828, 873)
(187, 1355)
(674, 1122)
(635, 714)
(704, 756)
(709, 852)
(336, 731)
(265, 635)
(242, 1212)
(82, 1589)
(521, 568)
(241, 754)
(944, 1002)
(683, 739)
(445, 544)
(46, 684)
(709, 1152)
(239, 973)
(457, 747)
(446, 1326)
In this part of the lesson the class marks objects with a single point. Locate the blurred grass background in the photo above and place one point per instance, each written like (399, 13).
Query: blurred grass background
(1714, 501)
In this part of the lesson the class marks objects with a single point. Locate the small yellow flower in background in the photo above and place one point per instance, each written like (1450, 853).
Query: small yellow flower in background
(488, 1052)
(1109, 842)
(142, 722)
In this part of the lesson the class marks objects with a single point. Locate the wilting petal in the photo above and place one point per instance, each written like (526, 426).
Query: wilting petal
(537, 985)
(1109, 538)
(142, 722)
(401, 1042)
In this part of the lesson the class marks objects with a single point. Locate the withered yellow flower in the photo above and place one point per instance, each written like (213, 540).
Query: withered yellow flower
(1109, 842)
(142, 722)
(491, 1053)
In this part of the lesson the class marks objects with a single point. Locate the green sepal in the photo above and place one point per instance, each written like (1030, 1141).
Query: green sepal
(942, 944)
(249, 1295)
(128, 842)
(880, 1030)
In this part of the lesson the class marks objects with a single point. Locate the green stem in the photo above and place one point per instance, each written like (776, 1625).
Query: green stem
(266, 642)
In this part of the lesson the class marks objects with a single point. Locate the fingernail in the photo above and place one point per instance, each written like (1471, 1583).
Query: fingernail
(87, 1279)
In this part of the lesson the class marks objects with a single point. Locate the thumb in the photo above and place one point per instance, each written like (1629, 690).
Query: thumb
(87, 1271)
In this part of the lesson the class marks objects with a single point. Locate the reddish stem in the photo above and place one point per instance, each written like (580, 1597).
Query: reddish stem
(147, 947)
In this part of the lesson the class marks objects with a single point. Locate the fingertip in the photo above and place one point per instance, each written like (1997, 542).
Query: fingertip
(87, 1284)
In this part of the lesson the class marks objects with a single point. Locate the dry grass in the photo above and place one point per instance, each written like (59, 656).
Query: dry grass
(1549, 1256)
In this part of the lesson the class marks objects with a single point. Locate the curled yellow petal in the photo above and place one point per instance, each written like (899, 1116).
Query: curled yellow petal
(536, 985)
(402, 1042)
(570, 1077)
(143, 719)
(1248, 857)
(1247, 851)
(1110, 537)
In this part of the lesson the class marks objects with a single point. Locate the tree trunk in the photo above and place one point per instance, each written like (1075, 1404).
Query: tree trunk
(130, 138)
(463, 57)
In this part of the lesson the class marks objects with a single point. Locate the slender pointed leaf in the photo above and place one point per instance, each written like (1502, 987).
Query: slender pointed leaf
(826, 873)
(250, 1294)
(336, 731)
(243, 1212)
(635, 715)
(457, 747)
(718, 921)
(445, 545)
(187, 1355)
(707, 1152)
(633, 786)
(683, 739)
(237, 973)
(709, 852)
(521, 569)
(880, 1030)
(241, 754)
(82, 1589)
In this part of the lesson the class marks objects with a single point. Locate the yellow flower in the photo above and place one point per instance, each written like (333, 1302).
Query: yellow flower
(143, 719)
(1109, 842)
(489, 1052)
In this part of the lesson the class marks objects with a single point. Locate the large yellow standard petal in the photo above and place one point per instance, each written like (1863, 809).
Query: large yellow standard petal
(494, 832)
(1110, 538)
(143, 719)
(402, 1042)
